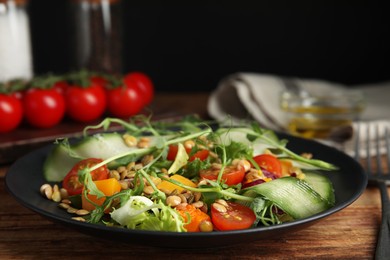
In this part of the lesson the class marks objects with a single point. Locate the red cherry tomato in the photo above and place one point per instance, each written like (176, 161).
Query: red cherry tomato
(61, 86)
(235, 217)
(71, 181)
(85, 104)
(231, 175)
(124, 101)
(269, 163)
(43, 108)
(11, 113)
(143, 83)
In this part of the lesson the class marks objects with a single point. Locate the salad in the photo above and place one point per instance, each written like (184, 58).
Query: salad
(187, 176)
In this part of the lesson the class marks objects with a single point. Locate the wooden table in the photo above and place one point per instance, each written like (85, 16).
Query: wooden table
(348, 234)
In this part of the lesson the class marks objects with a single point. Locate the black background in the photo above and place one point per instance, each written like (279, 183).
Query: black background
(191, 45)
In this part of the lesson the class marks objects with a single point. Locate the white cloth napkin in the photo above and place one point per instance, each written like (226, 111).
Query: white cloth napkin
(257, 96)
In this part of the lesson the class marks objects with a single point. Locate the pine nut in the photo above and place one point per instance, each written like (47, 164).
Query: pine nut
(71, 210)
(219, 207)
(173, 200)
(198, 204)
(130, 140)
(82, 212)
(64, 193)
(222, 202)
(64, 205)
(81, 219)
(182, 198)
(148, 190)
(189, 144)
(47, 191)
(115, 174)
(66, 201)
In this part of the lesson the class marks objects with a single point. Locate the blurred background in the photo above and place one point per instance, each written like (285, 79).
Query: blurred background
(191, 45)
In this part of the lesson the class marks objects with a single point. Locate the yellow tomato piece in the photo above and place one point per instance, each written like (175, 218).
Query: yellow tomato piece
(286, 167)
(108, 186)
(167, 186)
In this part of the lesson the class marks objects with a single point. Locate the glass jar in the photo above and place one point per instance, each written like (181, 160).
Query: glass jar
(97, 35)
(15, 42)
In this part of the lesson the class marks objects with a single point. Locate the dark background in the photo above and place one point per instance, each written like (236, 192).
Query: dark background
(191, 45)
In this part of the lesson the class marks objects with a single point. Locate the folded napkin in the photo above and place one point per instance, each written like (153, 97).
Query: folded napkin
(257, 96)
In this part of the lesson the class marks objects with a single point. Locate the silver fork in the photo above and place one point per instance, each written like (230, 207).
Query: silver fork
(379, 177)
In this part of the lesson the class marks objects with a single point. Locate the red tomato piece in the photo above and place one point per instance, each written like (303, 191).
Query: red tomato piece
(124, 101)
(11, 113)
(85, 104)
(43, 108)
(201, 155)
(143, 83)
(172, 152)
(236, 216)
(270, 163)
(71, 181)
(231, 175)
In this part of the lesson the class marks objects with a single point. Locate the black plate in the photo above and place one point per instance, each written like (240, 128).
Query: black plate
(25, 177)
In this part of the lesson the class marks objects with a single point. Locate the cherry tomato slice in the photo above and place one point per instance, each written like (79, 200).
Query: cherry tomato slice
(236, 216)
(232, 174)
(71, 181)
(269, 163)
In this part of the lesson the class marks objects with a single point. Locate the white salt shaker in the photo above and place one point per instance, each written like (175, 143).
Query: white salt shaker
(15, 42)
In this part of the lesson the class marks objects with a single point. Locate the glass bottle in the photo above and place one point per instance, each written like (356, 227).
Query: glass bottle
(97, 35)
(15, 41)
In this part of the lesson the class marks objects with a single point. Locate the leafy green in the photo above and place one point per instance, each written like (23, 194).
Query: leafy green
(192, 168)
(142, 213)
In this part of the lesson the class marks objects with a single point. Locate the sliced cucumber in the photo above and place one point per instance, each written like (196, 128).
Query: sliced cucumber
(321, 184)
(106, 145)
(58, 163)
(295, 197)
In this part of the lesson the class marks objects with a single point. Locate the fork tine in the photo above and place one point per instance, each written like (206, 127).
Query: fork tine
(387, 143)
(378, 151)
(368, 150)
(357, 143)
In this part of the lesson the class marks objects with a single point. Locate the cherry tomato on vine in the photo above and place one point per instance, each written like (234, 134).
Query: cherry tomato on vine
(85, 104)
(11, 113)
(71, 181)
(61, 86)
(124, 101)
(232, 174)
(141, 81)
(269, 163)
(43, 108)
(236, 216)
